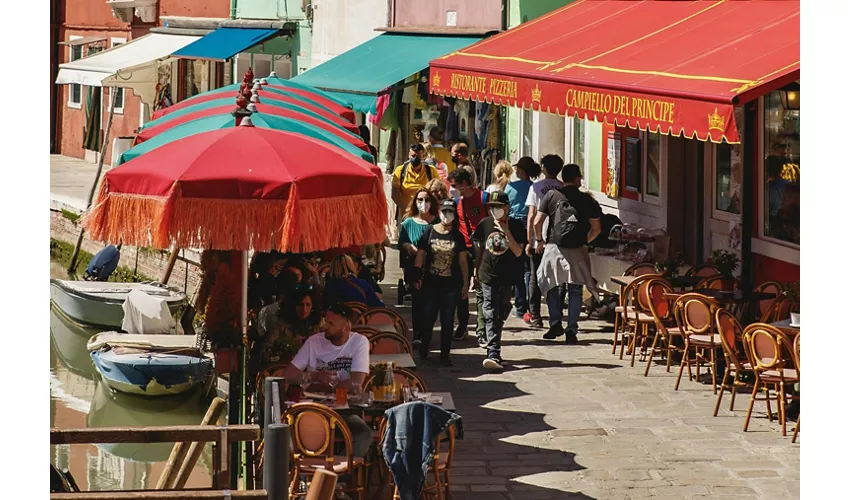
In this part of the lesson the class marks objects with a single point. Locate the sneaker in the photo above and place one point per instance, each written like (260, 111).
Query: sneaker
(482, 342)
(492, 364)
(572, 338)
(536, 322)
(526, 318)
(554, 332)
(445, 361)
(460, 333)
(416, 343)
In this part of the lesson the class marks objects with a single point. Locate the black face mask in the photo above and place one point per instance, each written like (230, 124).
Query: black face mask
(415, 161)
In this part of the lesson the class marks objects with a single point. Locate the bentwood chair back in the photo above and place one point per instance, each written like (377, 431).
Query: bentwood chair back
(730, 333)
(640, 269)
(657, 291)
(773, 287)
(440, 466)
(797, 363)
(717, 282)
(770, 350)
(389, 343)
(402, 377)
(315, 429)
(779, 311)
(694, 314)
(364, 330)
(358, 307)
(704, 270)
(381, 316)
(628, 312)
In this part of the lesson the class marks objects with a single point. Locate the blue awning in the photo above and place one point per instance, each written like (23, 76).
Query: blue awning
(357, 76)
(224, 43)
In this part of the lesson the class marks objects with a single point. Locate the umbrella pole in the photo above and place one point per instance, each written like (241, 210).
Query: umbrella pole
(103, 146)
(237, 384)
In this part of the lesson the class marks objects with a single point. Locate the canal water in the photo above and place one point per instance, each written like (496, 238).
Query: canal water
(78, 399)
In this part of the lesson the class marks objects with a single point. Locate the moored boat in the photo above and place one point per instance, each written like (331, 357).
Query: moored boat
(100, 303)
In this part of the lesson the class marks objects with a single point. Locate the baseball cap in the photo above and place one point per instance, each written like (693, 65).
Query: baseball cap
(524, 162)
(448, 206)
(498, 198)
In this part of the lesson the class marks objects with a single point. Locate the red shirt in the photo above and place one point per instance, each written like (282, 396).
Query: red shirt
(474, 206)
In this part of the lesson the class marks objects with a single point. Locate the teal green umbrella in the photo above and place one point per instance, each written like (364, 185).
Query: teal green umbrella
(226, 120)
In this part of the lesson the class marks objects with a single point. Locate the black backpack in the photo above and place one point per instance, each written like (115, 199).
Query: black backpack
(407, 164)
(566, 226)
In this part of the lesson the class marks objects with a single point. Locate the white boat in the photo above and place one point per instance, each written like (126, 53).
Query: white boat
(100, 303)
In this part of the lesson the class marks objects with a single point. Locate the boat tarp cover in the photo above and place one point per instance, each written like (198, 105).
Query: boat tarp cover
(146, 342)
(146, 314)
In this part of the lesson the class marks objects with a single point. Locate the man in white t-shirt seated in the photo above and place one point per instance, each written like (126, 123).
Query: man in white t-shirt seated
(340, 350)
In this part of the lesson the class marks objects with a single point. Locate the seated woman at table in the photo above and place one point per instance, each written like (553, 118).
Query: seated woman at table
(343, 285)
(295, 321)
(336, 349)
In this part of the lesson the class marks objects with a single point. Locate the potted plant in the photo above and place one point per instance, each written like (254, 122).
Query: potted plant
(670, 267)
(221, 320)
(727, 263)
(792, 291)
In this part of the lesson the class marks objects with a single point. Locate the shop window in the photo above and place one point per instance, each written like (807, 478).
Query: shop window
(117, 92)
(781, 169)
(527, 131)
(727, 180)
(579, 147)
(653, 164)
(75, 94)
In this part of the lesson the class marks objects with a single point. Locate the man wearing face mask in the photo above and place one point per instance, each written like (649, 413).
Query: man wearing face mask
(460, 159)
(500, 242)
(411, 176)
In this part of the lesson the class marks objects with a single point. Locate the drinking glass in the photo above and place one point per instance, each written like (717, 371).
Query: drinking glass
(333, 379)
(306, 380)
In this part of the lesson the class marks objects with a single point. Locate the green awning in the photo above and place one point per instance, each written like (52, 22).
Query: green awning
(355, 77)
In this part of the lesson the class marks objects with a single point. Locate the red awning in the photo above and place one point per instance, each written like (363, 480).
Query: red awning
(668, 66)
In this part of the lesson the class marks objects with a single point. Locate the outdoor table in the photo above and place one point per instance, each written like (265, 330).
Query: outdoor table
(399, 360)
(377, 408)
(383, 327)
(785, 327)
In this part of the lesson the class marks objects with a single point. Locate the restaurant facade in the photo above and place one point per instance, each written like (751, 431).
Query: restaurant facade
(685, 117)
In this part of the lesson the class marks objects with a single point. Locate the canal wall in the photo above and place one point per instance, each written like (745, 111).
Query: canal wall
(149, 262)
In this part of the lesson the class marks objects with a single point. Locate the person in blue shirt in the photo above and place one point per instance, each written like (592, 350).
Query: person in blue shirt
(343, 285)
(517, 191)
(420, 215)
(103, 264)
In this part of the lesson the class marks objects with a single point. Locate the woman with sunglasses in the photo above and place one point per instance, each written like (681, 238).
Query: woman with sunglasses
(442, 276)
(297, 320)
(420, 215)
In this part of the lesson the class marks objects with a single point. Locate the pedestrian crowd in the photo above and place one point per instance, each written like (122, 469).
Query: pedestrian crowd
(522, 238)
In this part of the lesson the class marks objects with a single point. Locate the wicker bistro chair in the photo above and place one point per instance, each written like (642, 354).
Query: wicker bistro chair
(389, 343)
(780, 310)
(358, 307)
(764, 306)
(704, 269)
(662, 312)
(364, 330)
(384, 316)
(641, 269)
(731, 333)
(440, 465)
(314, 429)
(694, 314)
(642, 319)
(771, 366)
(323, 271)
(717, 282)
(403, 377)
(797, 363)
(629, 313)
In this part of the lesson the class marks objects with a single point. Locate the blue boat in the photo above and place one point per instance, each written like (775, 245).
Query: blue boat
(151, 373)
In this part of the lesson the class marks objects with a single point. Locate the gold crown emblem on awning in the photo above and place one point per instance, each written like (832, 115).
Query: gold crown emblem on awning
(536, 94)
(436, 80)
(716, 121)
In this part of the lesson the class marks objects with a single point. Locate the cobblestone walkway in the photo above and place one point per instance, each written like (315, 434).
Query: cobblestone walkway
(567, 422)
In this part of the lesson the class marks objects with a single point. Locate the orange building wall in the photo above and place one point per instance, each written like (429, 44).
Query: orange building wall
(195, 8)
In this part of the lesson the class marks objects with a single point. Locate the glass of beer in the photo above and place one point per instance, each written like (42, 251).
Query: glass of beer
(341, 396)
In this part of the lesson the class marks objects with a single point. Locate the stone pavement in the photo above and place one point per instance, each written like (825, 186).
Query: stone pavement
(70, 182)
(567, 422)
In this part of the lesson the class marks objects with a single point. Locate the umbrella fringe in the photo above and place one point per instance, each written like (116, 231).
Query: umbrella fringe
(287, 225)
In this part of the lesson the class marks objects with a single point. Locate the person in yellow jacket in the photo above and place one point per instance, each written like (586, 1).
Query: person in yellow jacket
(409, 177)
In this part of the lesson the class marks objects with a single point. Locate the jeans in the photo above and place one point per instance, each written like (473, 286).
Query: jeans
(497, 308)
(522, 290)
(463, 305)
(361, 435)
(555, 302)
(440, 299)
(416, 304)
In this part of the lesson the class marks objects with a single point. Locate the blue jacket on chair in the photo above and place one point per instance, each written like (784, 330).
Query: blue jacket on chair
(411, 431)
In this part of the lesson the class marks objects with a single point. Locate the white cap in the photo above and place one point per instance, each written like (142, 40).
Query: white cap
(271, 75)
(256, 86)
(252, 107)
(263, 81)
(246, 122)
(255, 97)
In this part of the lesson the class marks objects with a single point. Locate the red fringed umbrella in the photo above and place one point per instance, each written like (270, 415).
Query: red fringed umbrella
(242, 188)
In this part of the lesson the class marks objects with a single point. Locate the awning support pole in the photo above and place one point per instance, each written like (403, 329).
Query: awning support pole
(103, 147)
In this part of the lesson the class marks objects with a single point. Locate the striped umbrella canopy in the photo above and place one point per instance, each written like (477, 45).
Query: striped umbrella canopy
(226, 120)
(267, 109)
(265, 98)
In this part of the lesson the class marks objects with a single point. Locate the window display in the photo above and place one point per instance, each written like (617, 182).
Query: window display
(781, 177)
(653, 164)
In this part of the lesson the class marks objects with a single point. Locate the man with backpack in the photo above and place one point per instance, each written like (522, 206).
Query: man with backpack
(471, 211)
(573, 221)
(409, 177)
